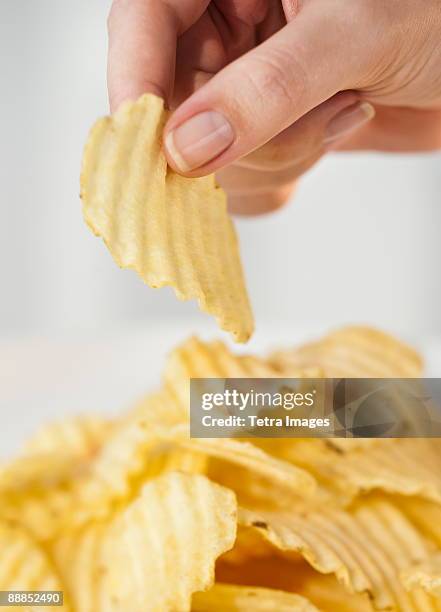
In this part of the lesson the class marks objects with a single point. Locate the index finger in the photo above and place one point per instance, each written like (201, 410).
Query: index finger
(142, 46)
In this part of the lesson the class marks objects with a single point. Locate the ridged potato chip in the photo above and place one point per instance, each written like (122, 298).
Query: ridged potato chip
(235, 598)
(294, 534)
(396, 544)
(25, 566)
(78, 558)
(153, 554)
(366, 549)
(354, 352)
(401, 466)
(55, 453)
(164, 546)
(172, 230)
(197, 359)
(45, 511)
(426, 574)
(79, 436)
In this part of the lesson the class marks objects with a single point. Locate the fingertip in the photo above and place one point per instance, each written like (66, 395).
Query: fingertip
(174, 157)
(193, 146)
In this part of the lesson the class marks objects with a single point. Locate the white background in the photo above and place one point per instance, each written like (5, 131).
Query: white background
(360, 242)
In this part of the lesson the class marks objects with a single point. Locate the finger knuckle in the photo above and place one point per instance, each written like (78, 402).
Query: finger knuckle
(277, 77)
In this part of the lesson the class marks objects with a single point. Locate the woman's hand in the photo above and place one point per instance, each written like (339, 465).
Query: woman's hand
(256, 84)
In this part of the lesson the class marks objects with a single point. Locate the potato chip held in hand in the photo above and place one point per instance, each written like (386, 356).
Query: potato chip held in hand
(172, 231)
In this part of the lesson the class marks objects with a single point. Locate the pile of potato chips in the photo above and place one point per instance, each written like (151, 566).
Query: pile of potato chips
(131, 514)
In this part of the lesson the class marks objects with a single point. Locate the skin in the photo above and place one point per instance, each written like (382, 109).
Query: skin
(281, 72)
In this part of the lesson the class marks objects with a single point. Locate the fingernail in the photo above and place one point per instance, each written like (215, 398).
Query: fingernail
(199, 140)
(348, 120)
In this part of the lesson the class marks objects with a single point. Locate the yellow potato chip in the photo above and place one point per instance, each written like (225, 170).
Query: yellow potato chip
(406, 466)
(163, 547)
(25, 566)
(46, 508)
(294, 534)
(197, 359)
(159, 409)
(236, 598)
(78, 558)
(37, 471)
(426, 574)
(354, 352)
(365, 549)
(402, 466)
(172, 230)
(155, 553)
(79, 436)
(57, 452)
(397, 545)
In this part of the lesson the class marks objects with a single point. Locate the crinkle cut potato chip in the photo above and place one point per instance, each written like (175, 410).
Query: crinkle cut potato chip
(171, 230)
(366, 549)
(396, 466)
(25, 566)
(155, 553)
(237, 598)
(197, 359)
(164, 547)
(79, 436)
(354, 352)
(55, 452)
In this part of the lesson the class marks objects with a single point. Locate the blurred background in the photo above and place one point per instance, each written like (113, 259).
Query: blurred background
(359, 243)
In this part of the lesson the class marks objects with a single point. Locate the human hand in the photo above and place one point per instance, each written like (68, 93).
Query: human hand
(256, 88)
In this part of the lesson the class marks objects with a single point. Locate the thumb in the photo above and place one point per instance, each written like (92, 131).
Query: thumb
(259, 95)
